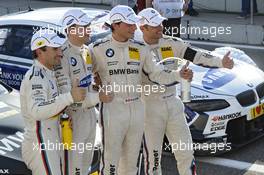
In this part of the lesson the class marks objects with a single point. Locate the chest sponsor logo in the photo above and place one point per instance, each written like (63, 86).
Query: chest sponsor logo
(73, 61)
(77, 71)
(215, 78)
(110, 52)
(226, 117)
(123, 71)
(112, 63)
(166, 52)
(36, 86)
(134, 53)
(133, 63)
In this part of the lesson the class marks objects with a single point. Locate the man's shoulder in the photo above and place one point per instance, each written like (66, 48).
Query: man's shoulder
(65, 47)
(137, 42)
(170, 38)
(35, 73)
(100, 42)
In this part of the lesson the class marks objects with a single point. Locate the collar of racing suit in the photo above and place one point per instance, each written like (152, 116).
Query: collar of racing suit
(151, 46)
(75, 49)
(120, 44)
(47, 71)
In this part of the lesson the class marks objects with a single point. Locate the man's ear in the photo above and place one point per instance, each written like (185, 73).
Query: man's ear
(142, 28)
(38, 52)
(115, 25)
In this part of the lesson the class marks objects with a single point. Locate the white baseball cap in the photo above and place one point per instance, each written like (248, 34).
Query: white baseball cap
(122, 13)
(151, 17)
(46, 37)
(75, 16)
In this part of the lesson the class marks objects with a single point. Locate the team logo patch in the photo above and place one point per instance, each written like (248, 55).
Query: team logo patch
(40, 43)
(86, 81)
(166, 52)
(73, 61)
(134, 53)
(110, 52)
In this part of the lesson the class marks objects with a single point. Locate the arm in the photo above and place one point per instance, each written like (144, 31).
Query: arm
(187, 52)
(157, 74)
(92, 98)
(62, 73)
(39, 105)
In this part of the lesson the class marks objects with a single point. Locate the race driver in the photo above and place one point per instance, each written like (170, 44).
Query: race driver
(77, 64)
(120, 62)
(41, 105)
(164, 112)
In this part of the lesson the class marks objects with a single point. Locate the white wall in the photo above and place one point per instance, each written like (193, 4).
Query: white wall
(226, 5)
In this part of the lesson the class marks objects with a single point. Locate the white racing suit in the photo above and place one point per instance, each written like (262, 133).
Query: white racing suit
(164, 112)
(40, 106)
(121, 65)
(76, 64)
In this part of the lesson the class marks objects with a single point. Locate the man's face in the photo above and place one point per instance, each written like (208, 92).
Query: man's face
(124, 30)
(79, 33)
(52, 56)
(153, 32)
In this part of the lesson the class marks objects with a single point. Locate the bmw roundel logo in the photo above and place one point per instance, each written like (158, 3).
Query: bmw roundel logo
(73, 61)
(109, 52)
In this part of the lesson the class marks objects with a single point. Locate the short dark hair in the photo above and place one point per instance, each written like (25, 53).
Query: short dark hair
(34, 53)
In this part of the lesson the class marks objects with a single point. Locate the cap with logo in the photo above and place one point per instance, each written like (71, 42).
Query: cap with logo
(46, 37)
(75, 16)
(151, 17)
(122, 13)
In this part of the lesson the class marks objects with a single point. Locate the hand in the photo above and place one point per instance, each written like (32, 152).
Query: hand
(227, 61)
(97, 82)
(185, 6)
(105, 95)
(78, 93)
(186, 73)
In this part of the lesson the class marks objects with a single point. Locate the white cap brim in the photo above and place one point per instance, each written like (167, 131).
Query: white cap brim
(157, 21)
(133, 19)
(46, 40)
